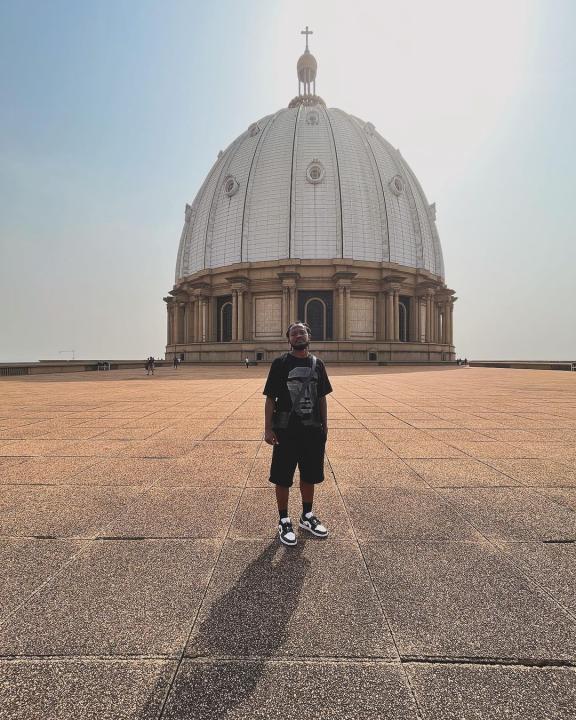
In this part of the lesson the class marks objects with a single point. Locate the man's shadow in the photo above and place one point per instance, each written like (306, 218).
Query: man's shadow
(245, 626)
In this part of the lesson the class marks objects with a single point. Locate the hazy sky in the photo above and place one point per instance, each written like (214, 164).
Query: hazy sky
(112, 113)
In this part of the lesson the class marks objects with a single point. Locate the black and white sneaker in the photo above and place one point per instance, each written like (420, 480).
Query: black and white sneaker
(313, 525)
(286, 532)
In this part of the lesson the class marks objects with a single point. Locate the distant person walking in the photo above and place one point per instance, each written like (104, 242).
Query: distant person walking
(176, 362)
(247, 361)
(296, 425)
(150, 365)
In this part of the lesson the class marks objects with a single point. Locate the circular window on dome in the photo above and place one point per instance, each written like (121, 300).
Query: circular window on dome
(312, 117)
(369, 128)
(231, 186)
(397, 185)
(254, 129)
(315, 172)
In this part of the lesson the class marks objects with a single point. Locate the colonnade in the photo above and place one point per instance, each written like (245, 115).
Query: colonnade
(192, 319)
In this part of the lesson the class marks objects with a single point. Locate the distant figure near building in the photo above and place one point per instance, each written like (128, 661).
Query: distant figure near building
(296, 425)
(247, 361)
(150, 365)
(176, 362)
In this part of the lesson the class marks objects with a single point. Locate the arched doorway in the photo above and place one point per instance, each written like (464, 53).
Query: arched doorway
(226, 322)
(403, 322)
(315, 316)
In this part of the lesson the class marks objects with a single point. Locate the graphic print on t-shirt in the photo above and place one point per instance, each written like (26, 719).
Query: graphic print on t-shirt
(305, 406)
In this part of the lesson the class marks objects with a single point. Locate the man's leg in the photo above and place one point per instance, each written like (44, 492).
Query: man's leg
(307, 492)
(282, 494)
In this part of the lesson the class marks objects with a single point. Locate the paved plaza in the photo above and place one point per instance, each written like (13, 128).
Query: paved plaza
(141, 576)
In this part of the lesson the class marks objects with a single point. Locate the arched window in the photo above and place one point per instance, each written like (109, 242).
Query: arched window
(315, 316)
(226, 322)
(403, 322)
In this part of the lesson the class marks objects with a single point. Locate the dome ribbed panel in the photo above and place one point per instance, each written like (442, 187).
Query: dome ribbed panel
(428, 253)
(362, 226)
(196, 237)
(315, 207)
(267, 214)
(224, 233)
(191, 251)
(430, 239)
(405, 244)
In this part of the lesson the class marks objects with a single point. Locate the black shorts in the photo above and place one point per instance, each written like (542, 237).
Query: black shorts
(303, 447)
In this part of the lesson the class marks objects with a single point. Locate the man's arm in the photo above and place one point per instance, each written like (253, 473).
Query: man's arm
(269, 434)
(323, 408)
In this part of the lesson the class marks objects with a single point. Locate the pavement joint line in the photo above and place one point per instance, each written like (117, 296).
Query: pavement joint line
(182, 655)
(407, 680)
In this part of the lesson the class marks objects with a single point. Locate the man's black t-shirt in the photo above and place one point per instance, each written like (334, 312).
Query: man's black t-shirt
(287, 373)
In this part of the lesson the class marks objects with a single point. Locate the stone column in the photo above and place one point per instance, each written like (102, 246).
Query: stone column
(414, 319)
(204, 318)
(234, 315)
(429, 317)
(240, 314)
(285, 308)
(380, 316)
(396, 315)
(168, 324)
(390, 315)
(176, 323)
(341, 314)
(450, 324)
(292, 317)
(347, 314)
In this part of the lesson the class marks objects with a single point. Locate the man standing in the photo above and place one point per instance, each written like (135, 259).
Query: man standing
(296, 424)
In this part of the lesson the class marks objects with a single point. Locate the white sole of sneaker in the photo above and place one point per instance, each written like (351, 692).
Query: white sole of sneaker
(320, 535)
(286, 542)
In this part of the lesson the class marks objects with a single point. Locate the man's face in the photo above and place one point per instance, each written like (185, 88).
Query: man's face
(298, 337)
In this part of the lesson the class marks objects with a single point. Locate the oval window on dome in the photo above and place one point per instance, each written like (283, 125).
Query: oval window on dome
(315, 172)
(231, 186)
(397, 185)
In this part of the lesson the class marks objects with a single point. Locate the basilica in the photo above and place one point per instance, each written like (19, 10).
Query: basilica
(310, 214)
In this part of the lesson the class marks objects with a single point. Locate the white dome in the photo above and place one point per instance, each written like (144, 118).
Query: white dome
(312, 183)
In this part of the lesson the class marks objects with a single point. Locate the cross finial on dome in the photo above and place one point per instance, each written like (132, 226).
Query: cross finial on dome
(306, 32)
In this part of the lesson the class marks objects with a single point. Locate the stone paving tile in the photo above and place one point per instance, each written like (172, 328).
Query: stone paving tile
(59, 511)
(552, 565)
(239, 450)
(459, 472)
(120, 598)
(266, 600)
(464, 600)
(406, 434)
(257, 517)
(40, 447)
(206, 471)
(125, 471)
(264, 690)
(492, 449)
(404, 514)
(25, 564)
(240, 433)
(385, 420)
(513, 513)
(123, 433)
(42, 470)
(176, 513)
(429, 449)
(480, 692)
(563, 496)
(350, 449)
(537, 472)
(159, 448)
(62, 689)
(448, 436)
(558, 451)
(374, 473)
